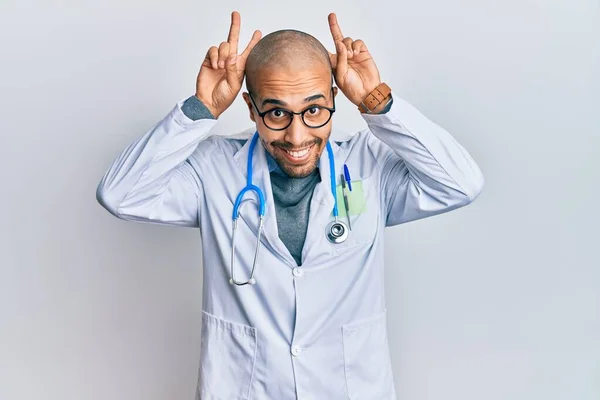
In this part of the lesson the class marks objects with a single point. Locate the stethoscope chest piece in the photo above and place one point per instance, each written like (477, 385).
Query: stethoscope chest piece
(251, 281)
(337, 232)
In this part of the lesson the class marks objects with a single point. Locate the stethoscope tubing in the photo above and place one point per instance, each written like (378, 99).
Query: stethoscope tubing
(333, 228)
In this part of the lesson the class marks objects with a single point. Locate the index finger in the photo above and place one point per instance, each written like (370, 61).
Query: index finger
(336, 32)
(234, 32)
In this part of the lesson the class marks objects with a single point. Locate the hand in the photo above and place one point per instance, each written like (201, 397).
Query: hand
(354, 70)
(222, 71)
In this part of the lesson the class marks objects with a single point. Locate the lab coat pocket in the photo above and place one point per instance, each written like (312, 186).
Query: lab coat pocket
(228, 352)
(366, 359)
(362, 202)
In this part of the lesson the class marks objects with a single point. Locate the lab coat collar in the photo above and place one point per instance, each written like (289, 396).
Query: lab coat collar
(321, 208)
(261, 178)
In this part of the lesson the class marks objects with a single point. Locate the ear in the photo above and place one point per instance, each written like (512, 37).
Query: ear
(335, 91)
(250, 106)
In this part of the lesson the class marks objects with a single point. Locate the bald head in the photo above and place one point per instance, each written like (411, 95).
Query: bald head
(286, 49)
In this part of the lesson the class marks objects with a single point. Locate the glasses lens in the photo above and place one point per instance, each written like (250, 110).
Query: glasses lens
(277, 119)
(316, 116)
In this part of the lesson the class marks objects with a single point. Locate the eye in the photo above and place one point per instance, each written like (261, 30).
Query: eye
(313, 110)
(277, 113)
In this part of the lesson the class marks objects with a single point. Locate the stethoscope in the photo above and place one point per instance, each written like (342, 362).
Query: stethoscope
(336, 231)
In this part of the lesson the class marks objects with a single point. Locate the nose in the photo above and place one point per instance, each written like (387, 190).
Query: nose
(297, 132)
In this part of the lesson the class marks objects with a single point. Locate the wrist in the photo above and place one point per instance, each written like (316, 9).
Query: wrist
(383, 105)
(376, 100)
(209, 107)
(195, 109)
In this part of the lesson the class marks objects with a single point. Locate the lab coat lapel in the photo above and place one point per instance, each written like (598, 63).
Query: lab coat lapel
(321, 206)
(262, 179)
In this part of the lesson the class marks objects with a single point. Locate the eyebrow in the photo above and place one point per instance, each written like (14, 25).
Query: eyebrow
(283, 103)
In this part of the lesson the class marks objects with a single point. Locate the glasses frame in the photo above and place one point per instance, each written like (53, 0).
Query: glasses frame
(292, 113)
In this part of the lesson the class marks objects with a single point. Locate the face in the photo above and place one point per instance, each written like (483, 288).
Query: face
(297, 148)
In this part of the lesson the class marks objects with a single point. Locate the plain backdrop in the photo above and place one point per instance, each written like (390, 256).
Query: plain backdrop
(499, 300)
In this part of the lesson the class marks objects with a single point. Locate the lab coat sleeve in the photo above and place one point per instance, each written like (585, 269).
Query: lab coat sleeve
(153, 179)
(424, 170)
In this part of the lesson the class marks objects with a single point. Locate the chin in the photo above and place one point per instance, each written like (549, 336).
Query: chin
(299, 171)
(295, 168)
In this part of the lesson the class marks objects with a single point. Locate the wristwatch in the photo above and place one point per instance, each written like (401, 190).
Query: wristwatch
(375, 98)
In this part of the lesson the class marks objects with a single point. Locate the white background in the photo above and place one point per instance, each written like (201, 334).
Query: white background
(498, 301)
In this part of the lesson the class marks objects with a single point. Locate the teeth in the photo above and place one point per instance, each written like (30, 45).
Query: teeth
(299, 154)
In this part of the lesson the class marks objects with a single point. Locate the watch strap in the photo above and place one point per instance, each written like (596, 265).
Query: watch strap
(375, 98)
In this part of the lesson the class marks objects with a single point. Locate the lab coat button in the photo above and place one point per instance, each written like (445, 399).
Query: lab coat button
(296, 351)
(298, 272)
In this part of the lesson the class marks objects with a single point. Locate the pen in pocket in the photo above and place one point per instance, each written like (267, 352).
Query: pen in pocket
(347, 177)
(346, 206)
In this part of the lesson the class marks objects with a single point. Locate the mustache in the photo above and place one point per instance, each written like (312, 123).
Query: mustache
(289, 146)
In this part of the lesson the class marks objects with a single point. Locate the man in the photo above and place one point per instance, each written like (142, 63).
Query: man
(306, 318)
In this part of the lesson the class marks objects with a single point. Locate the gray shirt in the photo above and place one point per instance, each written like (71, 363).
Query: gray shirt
(292, 198)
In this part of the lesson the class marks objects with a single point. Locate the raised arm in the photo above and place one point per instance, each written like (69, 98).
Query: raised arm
(154, 179)
(424, 170)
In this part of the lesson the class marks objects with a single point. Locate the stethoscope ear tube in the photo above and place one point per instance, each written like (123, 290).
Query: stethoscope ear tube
(251, 280)
(337, 231)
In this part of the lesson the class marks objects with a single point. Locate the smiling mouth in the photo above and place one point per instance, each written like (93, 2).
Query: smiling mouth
(296, 156)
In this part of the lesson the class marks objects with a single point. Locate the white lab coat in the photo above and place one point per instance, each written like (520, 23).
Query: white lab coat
(317, 331)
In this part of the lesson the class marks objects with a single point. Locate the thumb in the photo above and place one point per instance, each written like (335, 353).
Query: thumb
(333, 59)
(342, 59)
(231, 71)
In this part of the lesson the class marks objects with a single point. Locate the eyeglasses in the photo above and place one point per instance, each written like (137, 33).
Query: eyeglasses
(278, 119)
